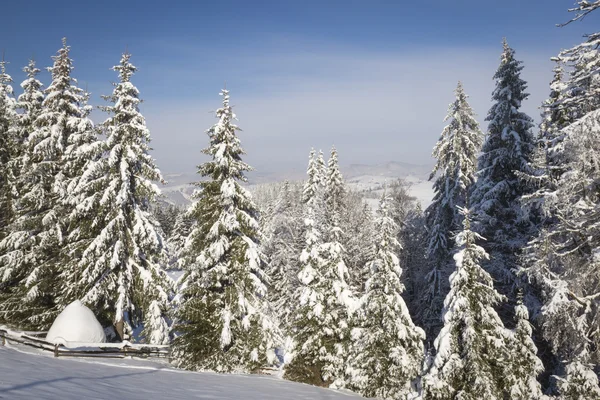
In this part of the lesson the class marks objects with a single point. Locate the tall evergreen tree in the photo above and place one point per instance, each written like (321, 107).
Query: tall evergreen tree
(506, 156)
(357, 224)
(313, 193)
(561, 262)
(115, 252)
(456, 153)
(30, 105)
(283, 243)
(387, 352)
(223, 315)
(31, 252)
(335, 191)
(324, 300)
(30, 102)
(184, 223)
(526, 365)
(8, 148)
(471, 348)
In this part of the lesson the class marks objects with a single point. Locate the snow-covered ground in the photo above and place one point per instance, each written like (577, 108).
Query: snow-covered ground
(27, 375)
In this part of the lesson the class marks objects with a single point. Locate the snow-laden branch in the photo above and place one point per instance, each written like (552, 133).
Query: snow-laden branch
(584, 7)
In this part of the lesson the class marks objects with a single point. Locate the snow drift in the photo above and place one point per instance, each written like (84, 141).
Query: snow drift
(76, 323)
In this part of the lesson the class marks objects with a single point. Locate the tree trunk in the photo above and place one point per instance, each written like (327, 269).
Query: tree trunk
(119, 327)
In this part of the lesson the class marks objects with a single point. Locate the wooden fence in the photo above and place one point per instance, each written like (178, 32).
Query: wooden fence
(79, 349)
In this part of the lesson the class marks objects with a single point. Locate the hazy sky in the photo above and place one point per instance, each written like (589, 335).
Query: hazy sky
(372, 77)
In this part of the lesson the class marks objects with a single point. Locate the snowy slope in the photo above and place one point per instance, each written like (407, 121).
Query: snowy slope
(359, 178)
(26, 376)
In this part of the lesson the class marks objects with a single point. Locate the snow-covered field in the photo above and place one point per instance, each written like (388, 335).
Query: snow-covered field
(359, 178)
(26, 375)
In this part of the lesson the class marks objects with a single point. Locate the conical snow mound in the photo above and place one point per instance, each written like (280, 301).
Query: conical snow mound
(76, 323)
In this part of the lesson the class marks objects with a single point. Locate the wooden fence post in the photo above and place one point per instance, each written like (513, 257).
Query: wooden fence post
(3, 341)
(56, 350)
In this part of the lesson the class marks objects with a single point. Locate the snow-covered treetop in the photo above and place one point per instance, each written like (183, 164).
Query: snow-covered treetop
(315, 181)
(30, 101)
(128, 137)
(225, 147)
(508, 148)
(387, 228)
(334, 191)
(6, 90)
(456, 153)
(125, 68)
(510, 90)
(62, 94)
(5, 79)
(456, 150)
(467, 239)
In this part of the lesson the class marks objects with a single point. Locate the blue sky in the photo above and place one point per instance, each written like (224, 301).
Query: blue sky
(372, 77)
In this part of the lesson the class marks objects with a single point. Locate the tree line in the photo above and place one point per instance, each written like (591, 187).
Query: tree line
(492, 292)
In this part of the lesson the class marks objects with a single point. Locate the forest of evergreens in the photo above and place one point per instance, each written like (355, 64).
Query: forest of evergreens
(491, 292)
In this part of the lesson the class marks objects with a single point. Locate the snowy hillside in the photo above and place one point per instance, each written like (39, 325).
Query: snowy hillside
(359, 177)
(25, 376)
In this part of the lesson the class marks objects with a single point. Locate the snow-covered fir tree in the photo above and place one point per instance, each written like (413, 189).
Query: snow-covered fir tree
(339, 298)
(30, 105)
(579, 382)
(166, 215)
(335, 191)
(321, 331)
(223, 319)
(387, 351)
(357, 224)
(506, 155)
(471, 360)
(8, 148)
(526, 366)
(284, 241)
(313, 191)
(184, 223)
(563, 257)
(115, 253)
(454, 172)
(571, 299)
(31, 252)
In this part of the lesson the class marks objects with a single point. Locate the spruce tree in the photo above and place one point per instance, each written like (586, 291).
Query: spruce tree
(223, 317)
(31, 262)
(387, 352)
(115, 252)
(313, 193)
(506, 156)
(526, 366)
(338, 295)
(579, 382)
(324, 299)
(30, 105)
(456, 153)
(8, 148)
(283, 232)
(335, 191)
(471, 349)
(357, 224)
(562, 259)
(182, 228)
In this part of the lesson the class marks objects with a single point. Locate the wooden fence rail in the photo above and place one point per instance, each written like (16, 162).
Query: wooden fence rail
(76, 349)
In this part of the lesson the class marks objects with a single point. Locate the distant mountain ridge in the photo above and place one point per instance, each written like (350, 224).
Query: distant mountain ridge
(179, 188)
